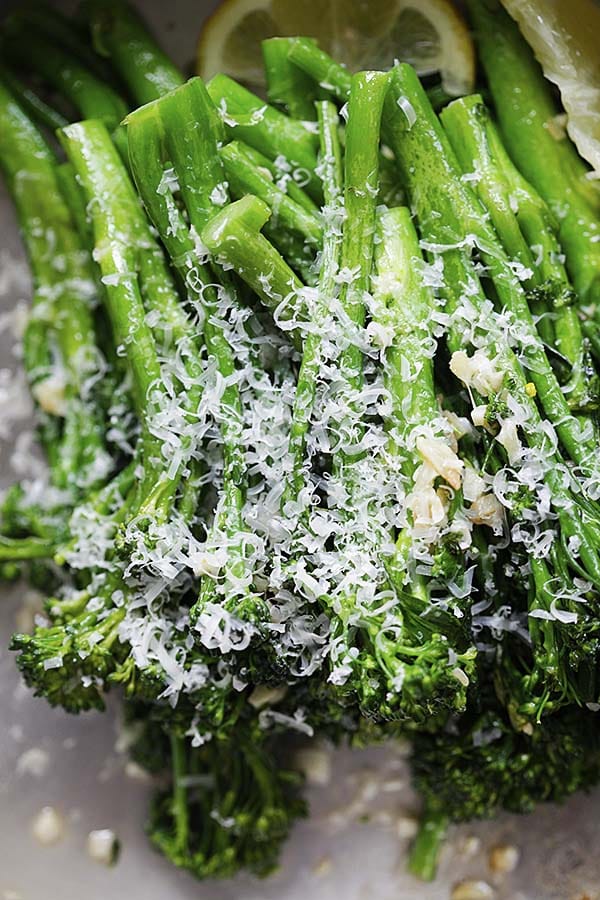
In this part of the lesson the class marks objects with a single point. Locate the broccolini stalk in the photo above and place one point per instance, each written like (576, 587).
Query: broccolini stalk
(62, 32)
(18, 549)
(361, 182)
(403, 309)
(287, 85)
(466, 223)
(155, 135)
(425, 850)
(534, 488)
(283, 180)
(30, 103)
(120, 34)
(328, 74)
(233, 237)
(90, 96)
(60, 350)
(334, 80)
(419, 682)
(284, 140)
(127, 255)
(295, 231)
(330, 171)
(71, 661)
(522, 221)
(525, 108)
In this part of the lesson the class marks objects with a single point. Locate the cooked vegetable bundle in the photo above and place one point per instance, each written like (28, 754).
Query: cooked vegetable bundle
(317, 386)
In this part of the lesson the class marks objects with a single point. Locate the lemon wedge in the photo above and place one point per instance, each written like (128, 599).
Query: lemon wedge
(564, 37)
(430, 34)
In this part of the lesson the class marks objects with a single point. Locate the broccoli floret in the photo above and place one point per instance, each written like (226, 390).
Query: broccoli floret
(482, 765)
(69, 663)
(229, 808)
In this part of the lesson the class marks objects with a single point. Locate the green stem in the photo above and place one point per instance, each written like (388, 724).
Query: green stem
(120, 34)
(169, 129)
(121, 237)
(60, 339)
(330, 162)
(180, 807)
(14, 549)
(425, 851)
(445, 214)
(500, 188)
(233, 238)
(91, 97)
(29, 101)
(62, 32)
(245, 177)
(462, 218)
(525, 108)
(287, 85)
(285, 181)
(268, 130)
(361, 182)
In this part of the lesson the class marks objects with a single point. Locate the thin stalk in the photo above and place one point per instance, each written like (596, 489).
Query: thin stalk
(91, 97)
(60, 348)
(361, 182)
(268, 130)
(425, 851)
(462, 208)
(119, 34)
(501, 188)
(115, 216)
(287, 85)
(17, 549)
(233, 237)
(431, 175)
(525, 108)
(29, 101)
(283, 180)
(168, 130)
(330, 163)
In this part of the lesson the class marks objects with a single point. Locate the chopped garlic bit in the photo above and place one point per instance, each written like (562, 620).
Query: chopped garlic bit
(504, 858)
(472, 890)
(556, 126)
(487, 510)
(103, 846)
(48, 827)
(469, 846)
(478, 415)
(473, 484)
(443, 459)
(315, 764)
(263, 695)
(50, 394)
(477, 371)
(427, 507)
(407, 827)
(136, 772)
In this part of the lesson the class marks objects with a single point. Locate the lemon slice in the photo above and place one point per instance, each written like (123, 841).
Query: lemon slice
(564, 37)
(363, 34)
